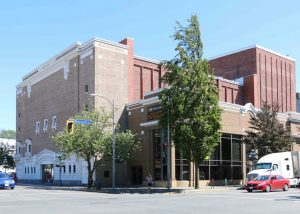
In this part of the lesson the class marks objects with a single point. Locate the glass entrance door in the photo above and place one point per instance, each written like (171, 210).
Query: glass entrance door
(47, 173)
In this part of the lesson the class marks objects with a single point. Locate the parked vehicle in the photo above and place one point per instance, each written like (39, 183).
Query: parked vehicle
(6, 181)
(286, 164)
(268, 183)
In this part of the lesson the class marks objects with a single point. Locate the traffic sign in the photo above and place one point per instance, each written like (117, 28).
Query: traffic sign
(83, 122)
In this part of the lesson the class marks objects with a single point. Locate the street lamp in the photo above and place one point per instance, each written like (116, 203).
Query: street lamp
(168, 150)
(113, 138)
(59, 156)
(5, 163)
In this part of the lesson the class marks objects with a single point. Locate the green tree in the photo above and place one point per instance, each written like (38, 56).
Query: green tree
(93, 142)
(8, 134)
(6, 157)
(266, 133)
(191, 104)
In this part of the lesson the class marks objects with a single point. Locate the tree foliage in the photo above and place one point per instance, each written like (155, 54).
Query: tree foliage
(191, 102)
(6, 156)
(94, 142)
(266, 133)
(8, 134)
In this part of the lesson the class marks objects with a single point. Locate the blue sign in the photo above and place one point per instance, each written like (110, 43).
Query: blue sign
(83, 122)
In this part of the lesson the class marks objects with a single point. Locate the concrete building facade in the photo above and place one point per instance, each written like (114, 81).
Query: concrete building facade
(61, 87)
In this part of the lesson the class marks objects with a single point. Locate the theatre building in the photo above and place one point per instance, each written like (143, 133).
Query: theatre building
(60, 88)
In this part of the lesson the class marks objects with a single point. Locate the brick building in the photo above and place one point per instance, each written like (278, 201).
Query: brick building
(61, 87)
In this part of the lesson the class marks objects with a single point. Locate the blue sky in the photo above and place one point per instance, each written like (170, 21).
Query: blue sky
(33, 31)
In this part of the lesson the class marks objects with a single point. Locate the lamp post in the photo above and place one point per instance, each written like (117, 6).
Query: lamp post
(168, 151)
(5, 163)
(112, 103)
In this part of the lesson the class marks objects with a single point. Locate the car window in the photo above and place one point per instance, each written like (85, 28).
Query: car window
(4, 175)
(273, 178)
(279, 177)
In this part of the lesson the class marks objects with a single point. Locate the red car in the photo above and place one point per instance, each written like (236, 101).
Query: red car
(268, 183)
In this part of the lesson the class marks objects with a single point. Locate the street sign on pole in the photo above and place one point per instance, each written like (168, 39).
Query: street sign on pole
(83, 122)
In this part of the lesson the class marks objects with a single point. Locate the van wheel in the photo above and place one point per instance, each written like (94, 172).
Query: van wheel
(285, 187)
(12, 188)
(268, 188)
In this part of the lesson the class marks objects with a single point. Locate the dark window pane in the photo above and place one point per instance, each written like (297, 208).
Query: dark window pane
(236, 150)
(216, 154)
(237, 172)
(177, 172)
(237, 136)
(225, 135)
(204, 173)
(226, 149)
(186, 173)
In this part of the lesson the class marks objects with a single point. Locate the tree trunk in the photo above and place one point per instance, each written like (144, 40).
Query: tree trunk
(90, 175)
(196, 175)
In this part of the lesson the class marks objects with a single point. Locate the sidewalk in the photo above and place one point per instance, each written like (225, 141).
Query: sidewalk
(133, 190)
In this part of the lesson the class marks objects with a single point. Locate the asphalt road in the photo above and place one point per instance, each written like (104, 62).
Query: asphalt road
(32, 200)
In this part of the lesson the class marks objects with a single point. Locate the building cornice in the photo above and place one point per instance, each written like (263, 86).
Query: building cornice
(251, 47)
(146, 59)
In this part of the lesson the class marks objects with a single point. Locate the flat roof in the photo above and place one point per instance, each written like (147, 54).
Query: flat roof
(251, 47)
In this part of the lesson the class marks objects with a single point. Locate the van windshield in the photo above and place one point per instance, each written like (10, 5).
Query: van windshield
(263, 166)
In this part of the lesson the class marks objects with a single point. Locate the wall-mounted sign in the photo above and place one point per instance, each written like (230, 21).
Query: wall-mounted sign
(154, 112)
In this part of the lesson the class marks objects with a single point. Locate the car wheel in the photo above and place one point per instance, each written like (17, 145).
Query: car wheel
(12, 188)
(249, 190)
(268, 188)
(285, 187)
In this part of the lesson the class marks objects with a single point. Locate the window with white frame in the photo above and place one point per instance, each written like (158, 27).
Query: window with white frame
(54, 122)
(29, 146)
(45, 128)
(37, 127)
(18, 147)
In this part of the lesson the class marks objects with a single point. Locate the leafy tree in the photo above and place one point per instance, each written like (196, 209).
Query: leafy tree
(93, 142)
(191, 104)
(6, 153)
(266, 133)
(8, 134)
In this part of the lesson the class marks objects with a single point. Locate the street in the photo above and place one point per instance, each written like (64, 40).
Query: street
(28, 199)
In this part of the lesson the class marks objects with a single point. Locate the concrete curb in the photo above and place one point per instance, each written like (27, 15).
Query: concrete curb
(132, 190)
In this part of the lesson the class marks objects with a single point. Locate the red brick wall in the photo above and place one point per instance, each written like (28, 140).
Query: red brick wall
(130, 61)
(267, 76)
(276, 83)
(229, 92)
(235, 65)
(146, 76)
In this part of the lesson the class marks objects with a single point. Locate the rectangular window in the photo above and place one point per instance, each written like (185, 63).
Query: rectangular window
(45, 129)
(86, 89)
(19, 128)
(29, 148)
(70, 168)
(31, 169)
(106, 174)
(19, 114)
(64, 168)
(25, 170)
(37, 127)
(86, 107)
(54, 121)
(288, 167)
(74, 168)
(34, 170)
